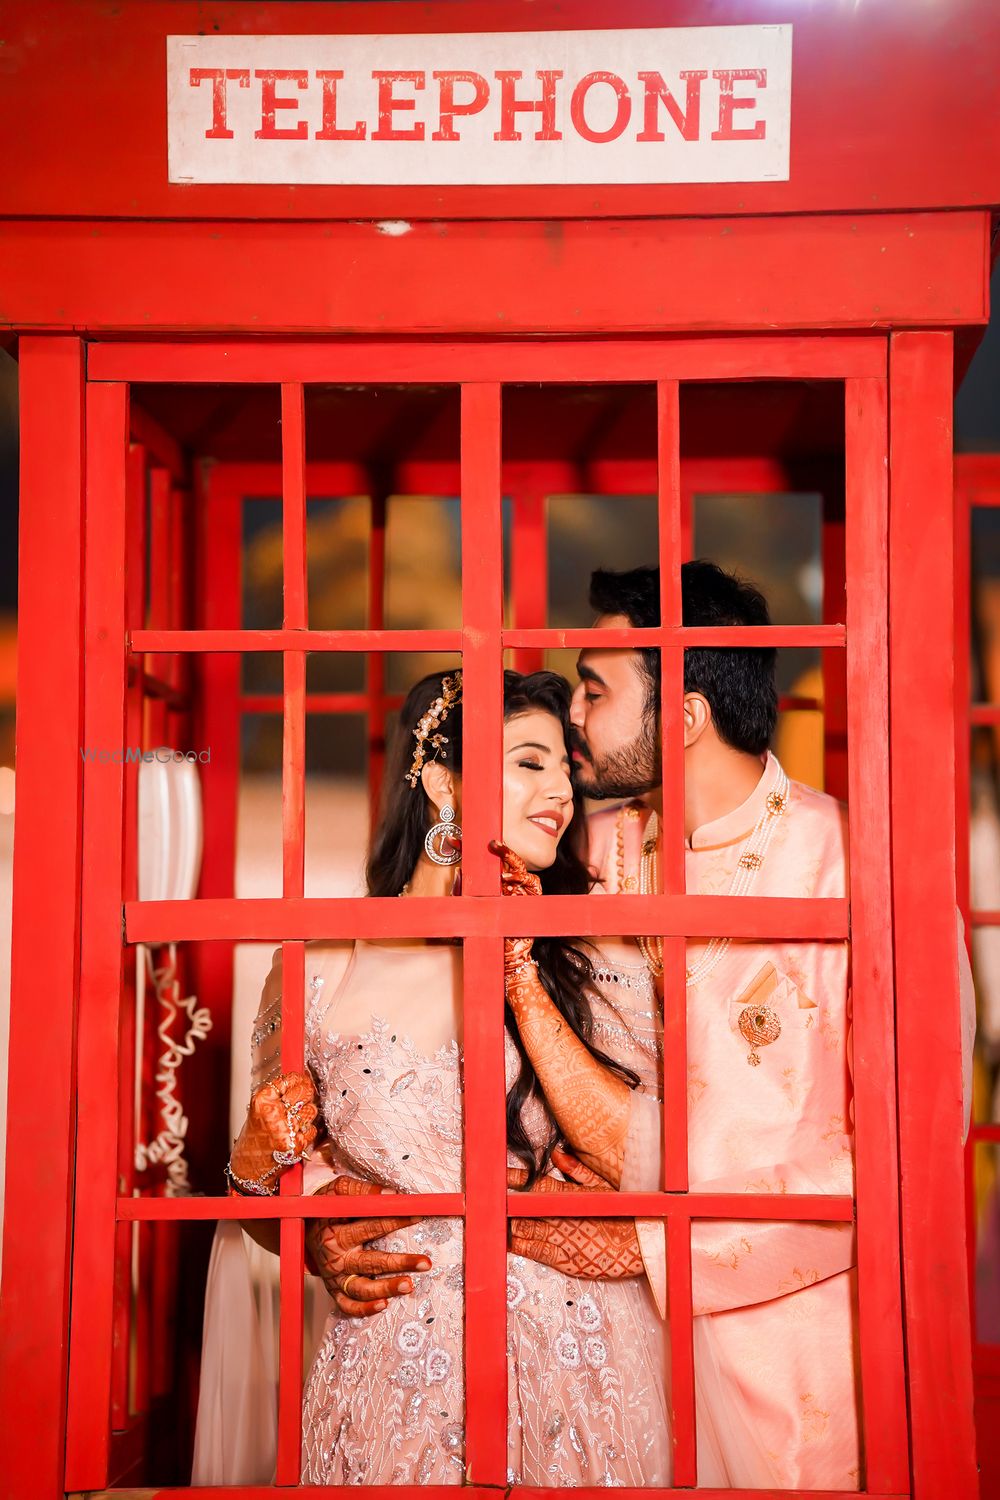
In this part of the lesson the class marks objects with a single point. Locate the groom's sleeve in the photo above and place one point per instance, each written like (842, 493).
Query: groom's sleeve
(737, 1263)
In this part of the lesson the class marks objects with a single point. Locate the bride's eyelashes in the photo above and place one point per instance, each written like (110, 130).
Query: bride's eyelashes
(531, 765)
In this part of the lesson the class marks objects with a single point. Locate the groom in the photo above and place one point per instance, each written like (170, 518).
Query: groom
(768, 1034)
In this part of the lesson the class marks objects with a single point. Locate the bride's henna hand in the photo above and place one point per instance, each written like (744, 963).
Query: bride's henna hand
(291, 1097)
(590, 1104)
(338, 1250)
(515, 880)
(574, 1169)
(595, 1249)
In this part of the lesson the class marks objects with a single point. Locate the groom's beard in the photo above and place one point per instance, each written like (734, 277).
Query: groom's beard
(630, 771)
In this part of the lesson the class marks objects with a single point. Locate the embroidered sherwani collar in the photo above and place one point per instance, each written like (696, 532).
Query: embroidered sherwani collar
(737, 824)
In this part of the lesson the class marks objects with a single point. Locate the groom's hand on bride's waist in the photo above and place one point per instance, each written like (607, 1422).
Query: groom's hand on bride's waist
(360, 1279)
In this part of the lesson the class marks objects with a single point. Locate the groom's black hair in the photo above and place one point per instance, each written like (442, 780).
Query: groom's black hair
(737, 681)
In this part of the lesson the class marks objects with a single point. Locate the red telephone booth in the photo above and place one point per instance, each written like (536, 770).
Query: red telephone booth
(209, 313)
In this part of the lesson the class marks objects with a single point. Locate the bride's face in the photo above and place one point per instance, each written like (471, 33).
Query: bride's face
(537, 791)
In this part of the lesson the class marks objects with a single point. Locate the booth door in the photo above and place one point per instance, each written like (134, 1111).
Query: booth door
(140, 1246)
(977, 599)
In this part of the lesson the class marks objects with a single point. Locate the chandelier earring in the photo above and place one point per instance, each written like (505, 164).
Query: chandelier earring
(443, 842)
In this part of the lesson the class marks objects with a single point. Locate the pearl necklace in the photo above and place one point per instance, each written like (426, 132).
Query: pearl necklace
(748, 865)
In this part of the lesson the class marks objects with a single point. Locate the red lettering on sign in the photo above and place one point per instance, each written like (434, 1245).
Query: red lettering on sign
(657, 93)
(728, 102)
(622, 116)
(449, 107)
(388, 103)
(270, 104)
(329, 130)
(219, 76)
(510, 105)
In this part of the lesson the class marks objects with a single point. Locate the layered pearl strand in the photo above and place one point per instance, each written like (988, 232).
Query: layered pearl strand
(748, 865)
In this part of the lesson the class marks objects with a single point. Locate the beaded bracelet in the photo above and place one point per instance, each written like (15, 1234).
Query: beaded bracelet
(248, 1187)
(520, 970)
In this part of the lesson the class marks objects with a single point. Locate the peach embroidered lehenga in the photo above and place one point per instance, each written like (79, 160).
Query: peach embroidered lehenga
(384, 1400)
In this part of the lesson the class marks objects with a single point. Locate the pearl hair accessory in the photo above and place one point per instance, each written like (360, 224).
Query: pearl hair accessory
(428, 729)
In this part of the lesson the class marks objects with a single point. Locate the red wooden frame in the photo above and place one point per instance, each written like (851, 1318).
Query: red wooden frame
(921, 563)
(849, 154)
(977, 485)
(817, 278)
(876, 270)
(46, 915)
(480, 916)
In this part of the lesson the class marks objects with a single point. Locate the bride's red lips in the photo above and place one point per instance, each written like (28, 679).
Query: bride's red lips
(554, 816)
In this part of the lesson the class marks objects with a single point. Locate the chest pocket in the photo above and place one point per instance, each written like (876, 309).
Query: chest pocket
(772, 1013)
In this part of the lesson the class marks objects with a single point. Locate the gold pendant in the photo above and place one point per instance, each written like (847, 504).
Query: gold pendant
(760, 1027)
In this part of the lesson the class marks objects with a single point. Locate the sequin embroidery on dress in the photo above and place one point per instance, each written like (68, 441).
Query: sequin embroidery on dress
(384, 1400)
(586, 1396)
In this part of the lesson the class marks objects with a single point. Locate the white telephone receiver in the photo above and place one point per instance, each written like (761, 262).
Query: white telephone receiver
(170, 848)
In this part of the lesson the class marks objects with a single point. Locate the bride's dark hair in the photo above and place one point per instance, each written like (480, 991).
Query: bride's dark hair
(564, 967)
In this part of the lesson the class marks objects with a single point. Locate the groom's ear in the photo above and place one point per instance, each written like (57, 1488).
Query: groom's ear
(697, 717)
(438, 783)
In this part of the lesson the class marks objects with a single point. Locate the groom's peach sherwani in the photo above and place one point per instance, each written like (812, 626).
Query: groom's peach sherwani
(775, 1326)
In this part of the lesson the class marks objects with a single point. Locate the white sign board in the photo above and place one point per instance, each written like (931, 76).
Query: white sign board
(685, 104)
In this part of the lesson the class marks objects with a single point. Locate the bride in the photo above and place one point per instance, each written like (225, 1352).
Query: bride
(384, 1399)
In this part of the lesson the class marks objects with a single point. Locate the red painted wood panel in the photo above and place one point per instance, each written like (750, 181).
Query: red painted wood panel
(883, 1391)
(88, 1424)
(825, 1207)
(922, 710)
(352, 361)
(262, 918)
(868, 271)
(888, 105)
(450, 640)
(485, 1124)
(46, 903)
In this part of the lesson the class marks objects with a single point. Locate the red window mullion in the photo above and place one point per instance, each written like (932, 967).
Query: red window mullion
(671, 528)
(529, 572)
(883, 1389)
(967, 715)
(292, 1236)
(179, 510)
(259, 918)
(160, 616)
(92, 1305)
(375, 705)
(833, 666)
(135, 583)
(939, 1362)
(485, 1154)
(295, 618)
(364, 361)
(672, 874)
(667, 636)
(290, 1206)
(202, 641)
(681, 1325)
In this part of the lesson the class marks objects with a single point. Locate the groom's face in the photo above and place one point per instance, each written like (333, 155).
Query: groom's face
(615, 752)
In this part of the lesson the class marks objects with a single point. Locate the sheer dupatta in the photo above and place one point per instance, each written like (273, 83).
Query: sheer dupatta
(236, 1430)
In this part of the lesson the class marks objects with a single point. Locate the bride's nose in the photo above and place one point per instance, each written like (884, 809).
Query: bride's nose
(561, 789)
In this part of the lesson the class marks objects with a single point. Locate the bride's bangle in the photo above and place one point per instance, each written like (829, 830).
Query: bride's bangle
(521, 971)
(249, 1187)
